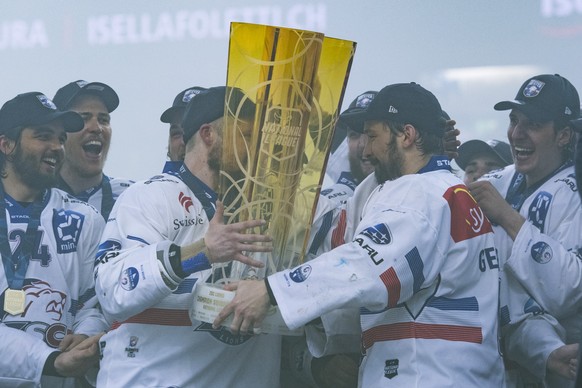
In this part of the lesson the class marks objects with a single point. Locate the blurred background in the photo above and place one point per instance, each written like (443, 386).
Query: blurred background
(470, 54)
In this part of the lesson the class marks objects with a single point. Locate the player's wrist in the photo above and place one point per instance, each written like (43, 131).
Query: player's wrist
(50, 368)
(193, 258)
(272, 300)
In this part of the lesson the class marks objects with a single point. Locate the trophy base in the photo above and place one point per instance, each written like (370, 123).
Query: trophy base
(209, 300)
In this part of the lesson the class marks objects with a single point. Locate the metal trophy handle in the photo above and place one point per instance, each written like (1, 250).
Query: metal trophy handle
(273, 161)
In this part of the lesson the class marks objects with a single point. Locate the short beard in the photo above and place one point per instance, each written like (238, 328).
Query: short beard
(26, 166)
(392, 169)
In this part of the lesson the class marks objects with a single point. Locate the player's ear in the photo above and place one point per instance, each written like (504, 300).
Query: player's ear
(409, 135)
(565, 136)
(207, 134)
(6, 145)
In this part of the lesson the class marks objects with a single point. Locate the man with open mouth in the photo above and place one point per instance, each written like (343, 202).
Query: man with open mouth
(82, 174)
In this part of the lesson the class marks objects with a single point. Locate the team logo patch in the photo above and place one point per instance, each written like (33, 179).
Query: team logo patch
(107, 250)
(189, 94)
(300, 274)
(364, 100)
(67, 226)
(467, 218)
(533, 88)
(391, 368)
(44, 100)
(132, 349)
(379, 234)
(129, 279)
(185, 201)
(541, 252)
(538, 210)
(532, 307)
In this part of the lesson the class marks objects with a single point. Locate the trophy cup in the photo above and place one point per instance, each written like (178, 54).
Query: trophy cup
(273, 163)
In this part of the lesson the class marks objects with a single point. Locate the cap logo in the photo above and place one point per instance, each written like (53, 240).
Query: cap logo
(82, 84)
(533, 88)
(189, 94)
(46, 101)
(567, 111)
(364, 100)
(392, 109)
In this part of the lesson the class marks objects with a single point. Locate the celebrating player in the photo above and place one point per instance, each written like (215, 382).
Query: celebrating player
(162, 237)
(420, 262)
(536, 205)
(82, 174)
(173, 116)
(48, 242)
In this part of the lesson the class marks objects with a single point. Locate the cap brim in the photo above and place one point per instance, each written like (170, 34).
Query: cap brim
(354, 118)
(532, 112)
(168, 114)
(72, 121)
(471, 148)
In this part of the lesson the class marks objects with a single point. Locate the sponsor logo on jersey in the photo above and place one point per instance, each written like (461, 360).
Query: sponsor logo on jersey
(379, 234)
(541, 252)
(132, 349)
(187, 222)
(538, 210)
(67, 226)
(369, 250)
(185, 201)
(300, 274)
(467, 218)
(223, 334)
(129, 279)
(391, 368)
(532, 307)
(326, 192)
(107, 250)
(43, 304)
(569, 181)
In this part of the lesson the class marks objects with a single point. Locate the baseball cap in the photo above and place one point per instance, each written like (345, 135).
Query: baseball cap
(209, 105)
(496, 148)
(34, 108)
(407, 103)
(67, 94)
(544, 98)
(180, 102)
(353, 116)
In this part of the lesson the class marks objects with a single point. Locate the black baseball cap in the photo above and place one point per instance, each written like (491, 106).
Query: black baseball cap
(544, 98)
(65, 95)
(353, 117)
(407, 103)
(210, 105)
(34, 108)
(180, 102)
(500, 150)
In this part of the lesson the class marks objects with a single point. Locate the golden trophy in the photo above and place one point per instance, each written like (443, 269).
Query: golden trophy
(273, 164)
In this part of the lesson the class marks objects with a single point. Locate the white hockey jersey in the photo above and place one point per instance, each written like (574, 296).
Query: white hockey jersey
(103, 196)
(60, 297)
(153, 342)
(542, 271)
(422, 268)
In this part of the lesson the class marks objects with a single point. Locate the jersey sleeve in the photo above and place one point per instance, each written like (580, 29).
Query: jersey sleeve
(384, 265)
(128, 277)
(89, 319)
(22, 358)
(542, 260)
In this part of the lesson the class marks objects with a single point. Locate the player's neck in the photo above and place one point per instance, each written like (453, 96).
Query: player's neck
(79, 183)
(18, 190)
(199, 167)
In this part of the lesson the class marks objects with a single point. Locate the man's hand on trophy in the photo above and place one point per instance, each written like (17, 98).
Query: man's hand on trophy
(227, 242)
(249, 306)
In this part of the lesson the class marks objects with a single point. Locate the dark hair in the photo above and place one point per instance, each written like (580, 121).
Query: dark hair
(429, 142)
(15, 135)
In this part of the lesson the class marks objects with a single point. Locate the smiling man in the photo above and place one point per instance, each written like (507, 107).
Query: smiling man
(535, 204)
(86, 151)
